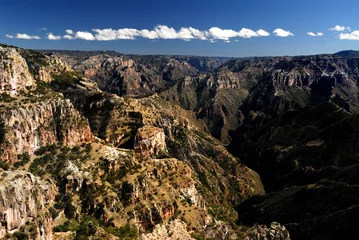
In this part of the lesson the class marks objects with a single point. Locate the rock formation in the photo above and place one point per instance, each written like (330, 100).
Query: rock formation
(36, 125)
(150, 141)
(14, 72)
(24, 201)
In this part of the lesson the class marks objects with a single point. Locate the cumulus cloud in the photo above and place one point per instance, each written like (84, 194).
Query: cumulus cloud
(263, 33)
(197, 33)
(350, 36)
(247, 33)
(110, 34)
(222, 34)
(25, 36)
(51, 36)
(69, 37)
(318, 34)
(9, 36)
(148, 34)
(339, 28)
(165, 32)
(282, 33)
(69, 32)
(84, 35)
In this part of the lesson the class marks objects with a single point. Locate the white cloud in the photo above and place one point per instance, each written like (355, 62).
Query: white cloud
(162, 32)
(263, 33)
(51, 36)
(105, 34)
(247, 33)
(339, 28)
(148, 34)
(185, 34)
(25, 36)
(43, 29)
(127, 33)
(159, 32)
(222, 34)
(84, 35)
(165, 32)
(69, 32)
(349, 36)
(9, 36)
(69, 37)
(282, 33)
(318, 34)
(198, 34)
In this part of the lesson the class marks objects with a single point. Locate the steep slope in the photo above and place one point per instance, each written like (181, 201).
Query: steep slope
(32, 115)
(299, 133)
(119, 167)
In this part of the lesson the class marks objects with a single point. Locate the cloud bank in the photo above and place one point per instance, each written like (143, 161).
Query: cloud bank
(164, 32)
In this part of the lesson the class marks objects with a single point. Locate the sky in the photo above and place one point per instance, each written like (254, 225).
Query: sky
(230, 28)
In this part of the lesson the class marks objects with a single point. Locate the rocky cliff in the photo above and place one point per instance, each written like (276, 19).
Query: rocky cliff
(14, 72)
(25, 200)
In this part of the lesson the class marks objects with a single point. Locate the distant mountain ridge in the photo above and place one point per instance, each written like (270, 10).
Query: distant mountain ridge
(348, 53)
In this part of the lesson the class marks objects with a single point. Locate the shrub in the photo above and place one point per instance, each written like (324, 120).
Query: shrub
(4, 165)
(86, 228)
(69, 225)
(125, 232)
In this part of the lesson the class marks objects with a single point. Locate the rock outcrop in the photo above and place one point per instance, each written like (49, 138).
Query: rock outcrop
(150, 141)
(14, 72)
(262, 232)
(176, 230)
(29, 127)
(24, 201)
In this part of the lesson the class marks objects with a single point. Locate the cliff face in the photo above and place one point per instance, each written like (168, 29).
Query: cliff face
(36, 125)
(24, 201)
(14, 72)
(124, 75)
(150, 141)
(31, 114)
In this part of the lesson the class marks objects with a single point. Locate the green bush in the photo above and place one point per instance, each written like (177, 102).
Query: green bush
(65, 79)
(69, 225)
(87, 228)
(54, 213)
(23, 159)
(4, 166)
(125, 232)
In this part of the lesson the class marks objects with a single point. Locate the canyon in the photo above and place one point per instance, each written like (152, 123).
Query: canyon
(113, 146)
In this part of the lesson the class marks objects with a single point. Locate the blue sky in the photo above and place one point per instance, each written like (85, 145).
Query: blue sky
(236, 28)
